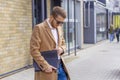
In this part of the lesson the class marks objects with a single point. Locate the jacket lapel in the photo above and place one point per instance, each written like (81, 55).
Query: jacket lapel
(48, 30)
(58, 30)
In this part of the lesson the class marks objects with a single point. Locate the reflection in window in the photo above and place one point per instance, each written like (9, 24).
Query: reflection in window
(101, 23)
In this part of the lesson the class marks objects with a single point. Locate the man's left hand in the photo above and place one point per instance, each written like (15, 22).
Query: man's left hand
(59, 50)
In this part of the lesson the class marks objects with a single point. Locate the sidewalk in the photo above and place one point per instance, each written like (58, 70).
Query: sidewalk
(98, 62)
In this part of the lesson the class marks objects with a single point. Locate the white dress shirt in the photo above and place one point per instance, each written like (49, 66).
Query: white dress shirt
(54, 33)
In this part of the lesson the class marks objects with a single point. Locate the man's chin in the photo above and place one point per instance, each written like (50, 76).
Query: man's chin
(54, 26)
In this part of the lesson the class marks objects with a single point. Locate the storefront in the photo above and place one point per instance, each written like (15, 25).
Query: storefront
(101, 23)
(72, 24)
(116, 19)
(95, 21)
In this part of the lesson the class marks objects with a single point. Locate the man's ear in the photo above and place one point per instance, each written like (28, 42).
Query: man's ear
(51, 18)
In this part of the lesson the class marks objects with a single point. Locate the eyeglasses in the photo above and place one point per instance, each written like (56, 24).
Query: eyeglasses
(58, 22)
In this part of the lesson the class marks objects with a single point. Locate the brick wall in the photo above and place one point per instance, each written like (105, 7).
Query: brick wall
(15, 32)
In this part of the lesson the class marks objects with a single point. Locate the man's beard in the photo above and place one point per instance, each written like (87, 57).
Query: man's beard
(52, 24)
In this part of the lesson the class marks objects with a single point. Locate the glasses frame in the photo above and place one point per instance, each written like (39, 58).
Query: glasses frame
(58, 22)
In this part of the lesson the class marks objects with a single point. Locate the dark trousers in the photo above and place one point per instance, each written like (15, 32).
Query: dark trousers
(117, 36)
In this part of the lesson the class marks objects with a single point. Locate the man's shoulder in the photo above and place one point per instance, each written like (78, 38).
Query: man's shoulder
(38, 25)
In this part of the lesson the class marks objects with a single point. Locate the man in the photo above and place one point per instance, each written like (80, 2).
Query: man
(117, 31)
(111, 33)
(48, 36)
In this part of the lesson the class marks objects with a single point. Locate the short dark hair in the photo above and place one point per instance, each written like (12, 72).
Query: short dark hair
(58, 11)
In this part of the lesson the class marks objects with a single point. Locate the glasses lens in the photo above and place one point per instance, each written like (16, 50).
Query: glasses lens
(58, 22)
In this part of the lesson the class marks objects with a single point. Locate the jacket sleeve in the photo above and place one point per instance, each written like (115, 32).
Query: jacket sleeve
(35, 49)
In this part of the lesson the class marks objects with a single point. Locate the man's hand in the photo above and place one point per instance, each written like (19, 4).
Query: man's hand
(59, 50)
(50, 69)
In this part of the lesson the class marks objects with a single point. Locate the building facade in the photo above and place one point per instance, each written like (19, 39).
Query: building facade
(95, 21)
(72, 26)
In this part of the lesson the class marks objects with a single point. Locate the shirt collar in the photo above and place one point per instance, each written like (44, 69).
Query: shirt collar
(49, 24)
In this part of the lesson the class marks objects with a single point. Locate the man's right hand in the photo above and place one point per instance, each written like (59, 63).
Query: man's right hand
(50, 69)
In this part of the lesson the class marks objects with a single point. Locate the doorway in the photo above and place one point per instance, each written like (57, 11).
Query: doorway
(39, 11)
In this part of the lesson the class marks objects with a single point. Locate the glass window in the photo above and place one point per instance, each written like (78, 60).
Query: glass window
(101, 24)
(71, 23)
